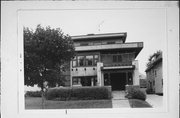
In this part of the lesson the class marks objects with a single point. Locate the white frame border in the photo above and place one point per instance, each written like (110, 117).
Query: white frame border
(12, 62)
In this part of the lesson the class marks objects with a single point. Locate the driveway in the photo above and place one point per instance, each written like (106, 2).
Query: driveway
(118, 100)
(156, 101)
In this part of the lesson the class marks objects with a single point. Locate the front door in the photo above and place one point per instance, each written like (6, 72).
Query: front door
(118, 81)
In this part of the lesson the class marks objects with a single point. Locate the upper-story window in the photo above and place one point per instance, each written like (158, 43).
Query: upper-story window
(96, 59)
(74, 62)
(89, 60)
(111, 42)
(85, 60)
(81, 60)
(84, 44)
(117, 58)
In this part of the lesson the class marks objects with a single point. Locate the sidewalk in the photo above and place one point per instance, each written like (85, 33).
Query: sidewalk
(155, 101)
(119, 101)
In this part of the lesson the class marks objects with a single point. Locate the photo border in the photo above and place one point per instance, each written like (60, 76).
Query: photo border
(15, 51)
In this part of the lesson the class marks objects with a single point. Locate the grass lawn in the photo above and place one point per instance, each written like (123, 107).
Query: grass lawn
(135, 103)
(35, 103)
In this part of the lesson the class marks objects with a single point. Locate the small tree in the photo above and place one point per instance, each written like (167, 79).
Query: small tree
(46, 50)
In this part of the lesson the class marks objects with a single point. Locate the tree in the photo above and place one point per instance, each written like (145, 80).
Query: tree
(46, 50)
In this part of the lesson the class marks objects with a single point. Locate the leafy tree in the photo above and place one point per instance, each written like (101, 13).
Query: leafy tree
(46, 51)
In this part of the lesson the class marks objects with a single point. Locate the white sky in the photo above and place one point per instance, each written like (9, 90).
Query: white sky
(141, 25)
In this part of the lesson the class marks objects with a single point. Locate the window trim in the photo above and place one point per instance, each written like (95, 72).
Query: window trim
(85, 65)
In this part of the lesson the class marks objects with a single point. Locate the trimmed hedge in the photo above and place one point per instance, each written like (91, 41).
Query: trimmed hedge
(134, 92)
(79, 93)
(33, 94)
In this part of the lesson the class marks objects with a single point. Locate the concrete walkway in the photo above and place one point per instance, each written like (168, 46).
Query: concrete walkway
(155, 101)
(118, 100)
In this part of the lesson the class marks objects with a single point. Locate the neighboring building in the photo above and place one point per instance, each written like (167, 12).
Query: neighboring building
(142, 81)
(105, 60)
(154, 75)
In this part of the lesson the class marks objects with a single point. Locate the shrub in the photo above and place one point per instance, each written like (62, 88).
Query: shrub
(135, 93)
(33, 94)
(79, 93)
(58, 93)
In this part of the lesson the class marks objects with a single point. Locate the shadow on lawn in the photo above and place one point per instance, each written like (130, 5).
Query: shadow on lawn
(135, 103)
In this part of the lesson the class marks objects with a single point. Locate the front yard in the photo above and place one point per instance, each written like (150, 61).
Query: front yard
(35, 103)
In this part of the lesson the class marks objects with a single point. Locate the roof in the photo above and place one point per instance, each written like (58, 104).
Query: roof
(154, 63)
(121, 35)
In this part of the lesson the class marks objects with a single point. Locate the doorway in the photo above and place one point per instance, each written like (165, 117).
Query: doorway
(118, 81)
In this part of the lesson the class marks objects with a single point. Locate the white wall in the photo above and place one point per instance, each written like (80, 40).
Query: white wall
(136, 72)
(158, 79)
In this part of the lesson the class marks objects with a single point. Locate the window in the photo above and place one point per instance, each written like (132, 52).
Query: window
(76, 81)
(89, 60)
(114, 58)
(117, 58)
(96, 59)
(81, 60)
(111, 42)
(84, 44)
(74, 64)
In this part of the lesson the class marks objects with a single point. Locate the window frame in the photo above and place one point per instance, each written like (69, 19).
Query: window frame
(85, 61)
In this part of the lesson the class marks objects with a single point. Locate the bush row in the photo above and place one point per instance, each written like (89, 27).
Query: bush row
(134, 92)
(33, 94)
(79, 93)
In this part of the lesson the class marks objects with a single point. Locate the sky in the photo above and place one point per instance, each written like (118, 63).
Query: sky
(141, 25)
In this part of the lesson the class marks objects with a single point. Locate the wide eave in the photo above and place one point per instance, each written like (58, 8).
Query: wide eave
(135, 47)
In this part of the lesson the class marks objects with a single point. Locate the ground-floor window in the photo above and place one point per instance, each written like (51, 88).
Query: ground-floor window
(76, 81)
(85, 81)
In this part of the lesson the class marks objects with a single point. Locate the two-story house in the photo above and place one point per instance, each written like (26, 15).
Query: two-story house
(105, 60)
(154, 75)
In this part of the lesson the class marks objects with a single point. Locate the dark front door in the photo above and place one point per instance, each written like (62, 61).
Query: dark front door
(118, 81)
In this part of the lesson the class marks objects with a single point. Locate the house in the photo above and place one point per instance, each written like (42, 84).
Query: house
(105, 60)
(154, 75)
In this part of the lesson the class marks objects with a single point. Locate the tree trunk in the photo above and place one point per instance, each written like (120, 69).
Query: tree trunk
(42, 95)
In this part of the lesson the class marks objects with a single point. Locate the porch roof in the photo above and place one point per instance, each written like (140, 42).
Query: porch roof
(117, 67)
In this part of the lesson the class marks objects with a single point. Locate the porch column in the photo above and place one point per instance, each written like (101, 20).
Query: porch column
(136, 73)
(99, 73)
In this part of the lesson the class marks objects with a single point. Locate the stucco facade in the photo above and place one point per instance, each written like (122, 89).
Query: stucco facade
(105, 60)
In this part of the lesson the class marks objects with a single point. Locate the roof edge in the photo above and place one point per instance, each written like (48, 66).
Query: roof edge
(104, 35)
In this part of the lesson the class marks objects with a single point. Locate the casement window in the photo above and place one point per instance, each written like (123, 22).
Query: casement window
(76, 81)
(85, 60)
(117, 58)
(74, 62)
(84, 44)
(89, 60)
(111, 42)
(81, 61)
(114, 58)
